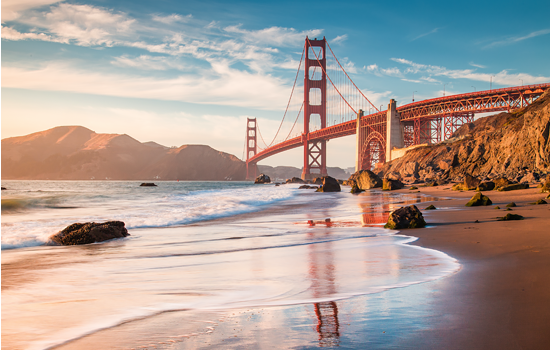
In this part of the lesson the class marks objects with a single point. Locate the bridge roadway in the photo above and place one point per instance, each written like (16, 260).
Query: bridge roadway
(475, 102)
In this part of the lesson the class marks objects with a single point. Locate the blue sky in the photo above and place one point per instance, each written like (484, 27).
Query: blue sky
(191, 72)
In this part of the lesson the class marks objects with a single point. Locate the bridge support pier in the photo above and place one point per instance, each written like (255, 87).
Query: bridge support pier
(359, 140)
(251, 148)
(315, 152)
(394, 130)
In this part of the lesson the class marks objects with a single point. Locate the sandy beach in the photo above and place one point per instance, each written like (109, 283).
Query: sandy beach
(497, 300)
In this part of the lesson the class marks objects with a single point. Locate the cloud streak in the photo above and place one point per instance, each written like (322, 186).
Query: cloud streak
(517, 39)
(433, 31)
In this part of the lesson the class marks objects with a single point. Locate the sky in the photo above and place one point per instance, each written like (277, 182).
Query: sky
(192, 72)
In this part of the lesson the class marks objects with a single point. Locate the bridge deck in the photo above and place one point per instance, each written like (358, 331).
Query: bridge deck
(478, 102)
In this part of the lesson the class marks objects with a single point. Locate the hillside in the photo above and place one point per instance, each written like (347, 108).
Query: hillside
(78, 153)
(507, 144)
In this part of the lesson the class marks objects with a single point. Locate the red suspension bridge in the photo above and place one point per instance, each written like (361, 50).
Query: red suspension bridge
(333, 106)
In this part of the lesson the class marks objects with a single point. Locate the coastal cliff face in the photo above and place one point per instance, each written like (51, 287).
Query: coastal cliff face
(77, 153)
(507, 144)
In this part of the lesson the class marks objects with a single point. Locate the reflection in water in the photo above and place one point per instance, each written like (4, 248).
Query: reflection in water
(377, 209)
(321, 273)
(328, 326)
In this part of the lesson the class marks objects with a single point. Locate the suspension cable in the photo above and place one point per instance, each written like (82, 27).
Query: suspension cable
(289, 99)
(293, 125)
(317, 57)
(335, 88)
(365, 97)
(260, 133)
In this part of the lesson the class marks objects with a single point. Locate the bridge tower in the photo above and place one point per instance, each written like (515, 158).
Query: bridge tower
(315, 106)
(251, 148)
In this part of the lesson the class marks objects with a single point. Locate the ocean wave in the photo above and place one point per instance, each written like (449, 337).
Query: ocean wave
(29, 221)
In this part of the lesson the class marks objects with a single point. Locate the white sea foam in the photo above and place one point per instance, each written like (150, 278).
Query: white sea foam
(169, 204)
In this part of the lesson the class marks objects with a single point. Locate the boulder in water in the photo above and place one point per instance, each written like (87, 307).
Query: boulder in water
(295, 180)
(330, 184)
(262, 179)
(148, 184)
(89, 232)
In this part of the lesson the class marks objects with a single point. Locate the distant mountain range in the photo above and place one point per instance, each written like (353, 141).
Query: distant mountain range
(78, 153)
(287, 172)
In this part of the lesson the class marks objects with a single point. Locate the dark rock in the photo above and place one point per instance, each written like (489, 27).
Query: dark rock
(486, 186)
(540, 201)
(406, 217)
(459, 187)
(390, 185)
(393, 176)
(430, 207)
(89, 232)
(546, 185)
(330, 184)
(529, 177)
(317, 181)
(432, 183)
(510, 217)
(514, 187)
(508, 209)
(148, 184)
(413, 188)
(470, 182)
(262, 179)
(356, 189)
(501, 182)
(511, 205)
(295, 180)
(3, 188)
(497, 207)
(365, 179)
(479, 199)
(307, 187)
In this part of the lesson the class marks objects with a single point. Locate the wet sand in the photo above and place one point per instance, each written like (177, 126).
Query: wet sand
(499, 299)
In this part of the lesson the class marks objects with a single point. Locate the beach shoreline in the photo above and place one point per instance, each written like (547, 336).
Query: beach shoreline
(497, 299)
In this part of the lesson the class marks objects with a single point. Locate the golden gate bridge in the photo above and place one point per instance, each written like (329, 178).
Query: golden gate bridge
(332, 106)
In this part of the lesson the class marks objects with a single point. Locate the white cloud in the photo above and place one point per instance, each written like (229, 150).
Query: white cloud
(12, 34)
(278, 36)
(148, 62)
(221, 86)
(339, 39)
(87, 25)
(392, 72)
(476, 65)
(503, 77)
(516, 39)
(12, 9)
(173, 18)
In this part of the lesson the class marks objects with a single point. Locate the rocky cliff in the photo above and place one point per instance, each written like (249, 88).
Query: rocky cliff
(507, 144)
(77, 153)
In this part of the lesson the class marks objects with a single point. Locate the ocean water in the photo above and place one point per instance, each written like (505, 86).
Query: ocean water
(194, 247)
